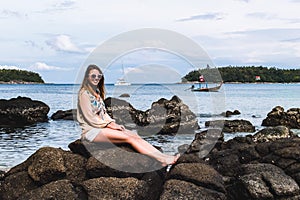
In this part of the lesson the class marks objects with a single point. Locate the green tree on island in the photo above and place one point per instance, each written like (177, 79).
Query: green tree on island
(249, 74)
(13, 75)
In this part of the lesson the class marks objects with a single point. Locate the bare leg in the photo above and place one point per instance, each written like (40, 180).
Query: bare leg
(139, 144)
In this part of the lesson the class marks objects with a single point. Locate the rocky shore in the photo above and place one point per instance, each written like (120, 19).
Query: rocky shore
(263, 165)
(251, 167)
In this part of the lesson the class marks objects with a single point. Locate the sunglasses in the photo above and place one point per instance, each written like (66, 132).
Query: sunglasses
(93, 76)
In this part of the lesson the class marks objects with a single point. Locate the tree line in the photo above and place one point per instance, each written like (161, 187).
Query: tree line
(247, 74)
(9, 75)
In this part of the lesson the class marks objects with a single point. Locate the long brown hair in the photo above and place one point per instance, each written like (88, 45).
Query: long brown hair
(100, 90)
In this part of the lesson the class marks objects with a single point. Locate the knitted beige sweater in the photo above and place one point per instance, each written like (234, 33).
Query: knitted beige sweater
(91, 113)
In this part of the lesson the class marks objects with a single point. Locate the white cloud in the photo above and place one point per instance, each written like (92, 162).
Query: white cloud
(7, 13)
(63, 43)
(206, 16)
(9, 67)
(39, 66)
(234, 32)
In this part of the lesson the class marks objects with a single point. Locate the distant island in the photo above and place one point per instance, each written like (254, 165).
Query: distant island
(247, 74)
(14, 76)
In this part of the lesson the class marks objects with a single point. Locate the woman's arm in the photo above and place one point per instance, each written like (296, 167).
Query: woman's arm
(115, 126)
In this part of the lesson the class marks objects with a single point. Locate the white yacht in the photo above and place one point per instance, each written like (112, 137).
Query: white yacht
(122, 81)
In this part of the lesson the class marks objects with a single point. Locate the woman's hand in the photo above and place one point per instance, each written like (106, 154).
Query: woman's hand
(115, 126)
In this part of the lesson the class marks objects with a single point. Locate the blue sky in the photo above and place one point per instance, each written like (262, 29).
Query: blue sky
(55, 38)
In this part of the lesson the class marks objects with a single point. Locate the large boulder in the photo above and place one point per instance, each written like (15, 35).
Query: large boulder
(107, 159)
(116, 188)
(193, 181)
(61, 189)
(264, 181)
(272, 133)
(53, 173)
(64, 114)
(21, 111)
(167, 117)
(275, 167)
(231, 126)
(290, 118)
(49, 173)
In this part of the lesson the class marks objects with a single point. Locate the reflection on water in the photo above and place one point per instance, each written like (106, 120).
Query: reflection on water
(18, 144)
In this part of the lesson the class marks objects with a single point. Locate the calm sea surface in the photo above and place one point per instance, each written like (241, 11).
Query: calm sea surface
(254, 101)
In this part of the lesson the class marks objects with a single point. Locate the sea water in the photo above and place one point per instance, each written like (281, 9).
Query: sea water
(254, 101)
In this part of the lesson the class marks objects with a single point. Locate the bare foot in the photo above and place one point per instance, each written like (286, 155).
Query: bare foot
(169, 160)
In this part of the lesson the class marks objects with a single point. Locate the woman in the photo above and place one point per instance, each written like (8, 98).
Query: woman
(98, 126)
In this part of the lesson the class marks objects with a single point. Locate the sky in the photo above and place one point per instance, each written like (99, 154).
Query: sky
(56, 38)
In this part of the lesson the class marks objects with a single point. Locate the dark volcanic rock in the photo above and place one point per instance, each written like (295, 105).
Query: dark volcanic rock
(61, 189)
(16, 185)
(277, 116)
(229, 113)
(264, 181)
(106, 159)
(198, 173)
(231, 126)
(116, 188)
(164, 117)
(177, 189)
(272, 133)
(47, 165)
(21, 111)
(263, 166)
(125, 95)
(276, 177)
(193, 181)
(66, 115)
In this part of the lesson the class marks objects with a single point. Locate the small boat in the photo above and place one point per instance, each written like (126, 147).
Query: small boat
(122, 82)
(206, 88)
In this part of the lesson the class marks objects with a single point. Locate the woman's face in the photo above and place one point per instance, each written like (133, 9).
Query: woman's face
(94, 77)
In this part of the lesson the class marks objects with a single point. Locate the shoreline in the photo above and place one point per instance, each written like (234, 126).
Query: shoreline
(20, 83)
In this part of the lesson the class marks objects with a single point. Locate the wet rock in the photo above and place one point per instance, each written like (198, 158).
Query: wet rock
(231, 126)
(2, 173)
(229, 113)
(47, 165)
(107, 159)
(290, 118)
(120, 165)
(125, 95)
(120, 110)
(75, 167)
(22, 111)
(65, 115)
(272, 133)
(198, 173)
(210, 168)
(264, 181)
(168, 117)
(177, 189)
(203, 143)
(61, 189)
(254, 169)
(16, 185)
(116, 188)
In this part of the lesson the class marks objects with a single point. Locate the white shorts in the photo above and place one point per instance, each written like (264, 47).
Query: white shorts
(92, 134)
